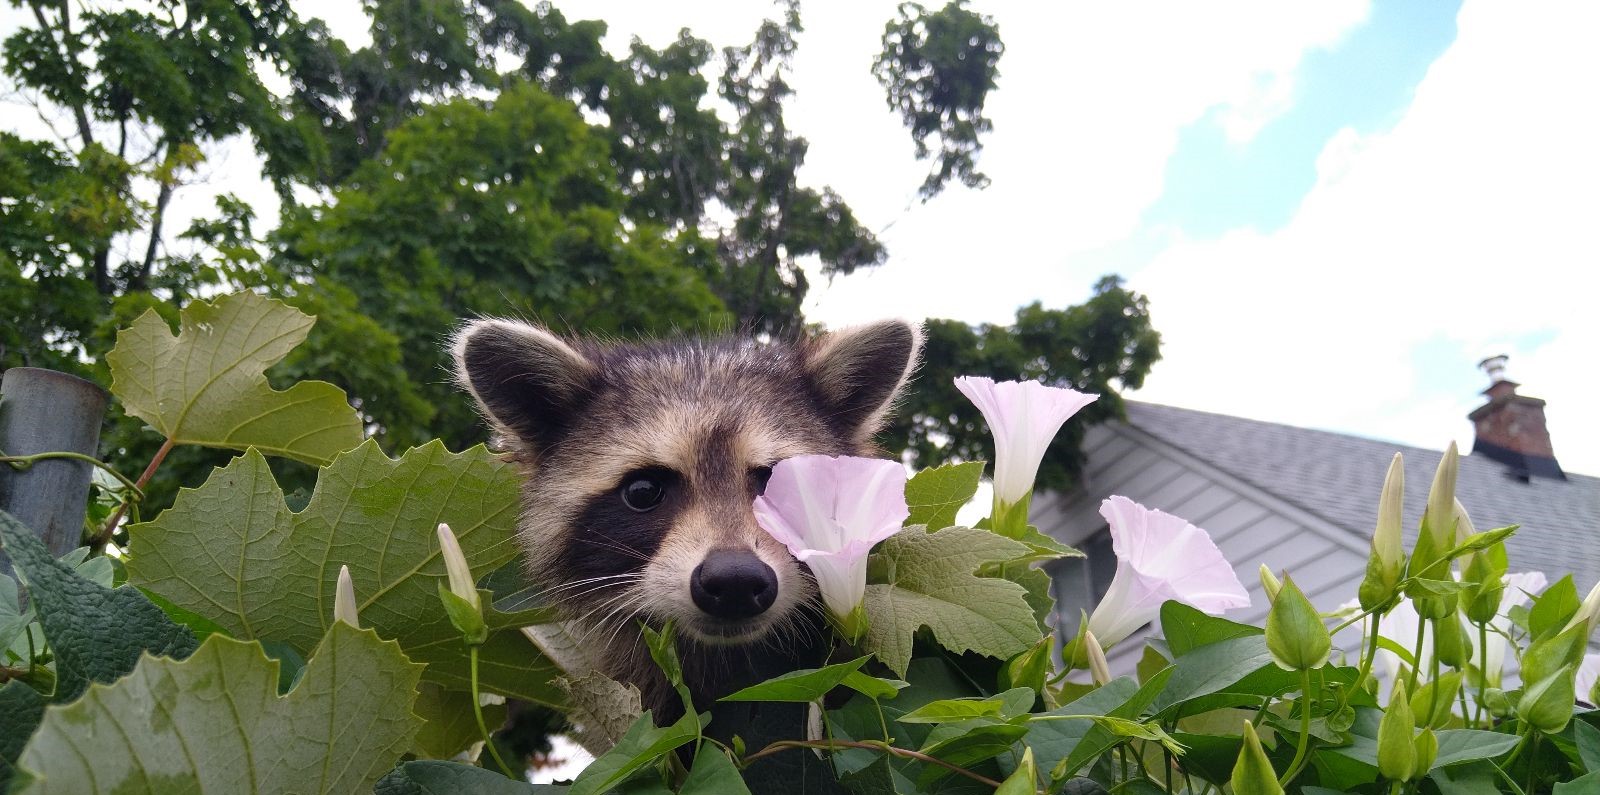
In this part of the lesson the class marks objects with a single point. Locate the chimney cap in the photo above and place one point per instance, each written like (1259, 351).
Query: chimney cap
(1495, 367)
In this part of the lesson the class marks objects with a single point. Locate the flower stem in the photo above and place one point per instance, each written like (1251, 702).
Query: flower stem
(1483, 670)
(477, 712)
(21, 462)
(1305, 730)
(1416, 656)
(904, 753)
(98, 543)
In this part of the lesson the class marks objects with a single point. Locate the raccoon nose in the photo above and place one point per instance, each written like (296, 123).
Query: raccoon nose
(733, 583)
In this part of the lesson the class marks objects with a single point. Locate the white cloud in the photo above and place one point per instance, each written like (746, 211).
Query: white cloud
(1091, 102)
(1470, 222)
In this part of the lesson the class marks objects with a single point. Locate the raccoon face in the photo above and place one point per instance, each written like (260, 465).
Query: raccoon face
(642, 463)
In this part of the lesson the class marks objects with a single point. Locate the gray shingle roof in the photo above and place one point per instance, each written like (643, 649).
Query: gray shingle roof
(1338, 477)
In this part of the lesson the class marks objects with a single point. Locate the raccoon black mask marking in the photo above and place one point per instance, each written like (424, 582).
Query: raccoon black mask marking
(641, 463)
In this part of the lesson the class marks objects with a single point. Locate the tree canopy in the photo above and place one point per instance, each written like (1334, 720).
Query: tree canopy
(476, 157)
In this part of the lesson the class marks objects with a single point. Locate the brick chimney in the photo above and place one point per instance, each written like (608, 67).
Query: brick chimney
(1510, 427)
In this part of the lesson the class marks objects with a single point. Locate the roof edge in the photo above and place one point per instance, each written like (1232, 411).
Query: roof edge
(1342, 536)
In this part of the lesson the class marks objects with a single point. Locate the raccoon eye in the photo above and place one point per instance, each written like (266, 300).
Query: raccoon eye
(759, 476)
(643, 491)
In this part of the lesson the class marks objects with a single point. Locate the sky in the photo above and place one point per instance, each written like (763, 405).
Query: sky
(1335, 208)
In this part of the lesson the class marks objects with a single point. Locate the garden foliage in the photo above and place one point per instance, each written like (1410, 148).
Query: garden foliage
(205, 657)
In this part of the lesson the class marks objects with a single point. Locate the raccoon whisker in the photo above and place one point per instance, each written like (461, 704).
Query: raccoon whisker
(610, 606)
(606, 581)
(612, 545)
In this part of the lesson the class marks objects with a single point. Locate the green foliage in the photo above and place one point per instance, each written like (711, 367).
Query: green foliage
(802, 686)
(926, 579)
(206, 386)
(234, 553)
(426, 777)
(96, 633)
(937, 68)
(934, 495)
(1101, 346)
(170, 724)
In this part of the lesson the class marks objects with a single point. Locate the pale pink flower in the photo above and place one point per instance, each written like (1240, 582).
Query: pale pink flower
(1159, 557)
(1024, 417)
(830, 512)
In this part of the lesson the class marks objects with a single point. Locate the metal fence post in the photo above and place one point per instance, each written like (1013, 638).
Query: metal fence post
(43, 411)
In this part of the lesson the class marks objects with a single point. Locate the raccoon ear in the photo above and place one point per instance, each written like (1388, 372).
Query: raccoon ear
(528, 381)
(858, 371)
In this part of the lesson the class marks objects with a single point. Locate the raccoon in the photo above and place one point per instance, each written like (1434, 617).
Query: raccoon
(641, 464)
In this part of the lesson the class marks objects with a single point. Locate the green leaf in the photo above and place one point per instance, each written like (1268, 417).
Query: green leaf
(1583, 785)
(600, 708)
(1471, 779)
(431, 777)
(207, 385)
(801, 686)
(21, 709)
(98, 633)
(1023, 780)
(14, 618)
(232, 552)
(1455, 745)
(449, 726)
(931, 583)
(1480, 541)
(642, 745)
(873, 686)
(951, 710)
(215, 723)
(935, 495)
(1186, 628)
(1419, 588)
(1587, 738)
(1053, 741)
(1552, 609)
(965, 744)
(1102, 737)
(713, 773)
(1219, 666)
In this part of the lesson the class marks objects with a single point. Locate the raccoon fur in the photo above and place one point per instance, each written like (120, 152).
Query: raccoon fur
(641, 463)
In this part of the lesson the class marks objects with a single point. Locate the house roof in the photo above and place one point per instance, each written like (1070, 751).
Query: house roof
(1338, 477)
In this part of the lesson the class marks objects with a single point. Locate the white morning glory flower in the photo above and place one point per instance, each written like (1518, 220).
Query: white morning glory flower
(830, 512)
(1159, 557)
(1023, 416)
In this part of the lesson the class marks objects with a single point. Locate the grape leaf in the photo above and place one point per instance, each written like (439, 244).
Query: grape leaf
(928, 580)
(935, 495)
(98, 633)
(215, 723)
(232, 552)
(449, 727)
(208, 386)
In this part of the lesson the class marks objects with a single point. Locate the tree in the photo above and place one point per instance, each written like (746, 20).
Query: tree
(937, 69)
(1102, 346)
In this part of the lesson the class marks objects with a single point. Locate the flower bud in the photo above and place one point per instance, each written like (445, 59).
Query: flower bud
(344, 599)
(455, 565)
(1588, 613)
(1437, 536)
(1450, 641)
(1030, 668)
(1547, 704)
(1442, 502)
(1486, 571)
(460, 598)
(1099, 669)
(1495, 700)
(1253, 773)
(1296, 636)
(1427, 745)
(1547, 655)
(1386, 561)
(1270, 583)
(1397, 750)
(1430, 705)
